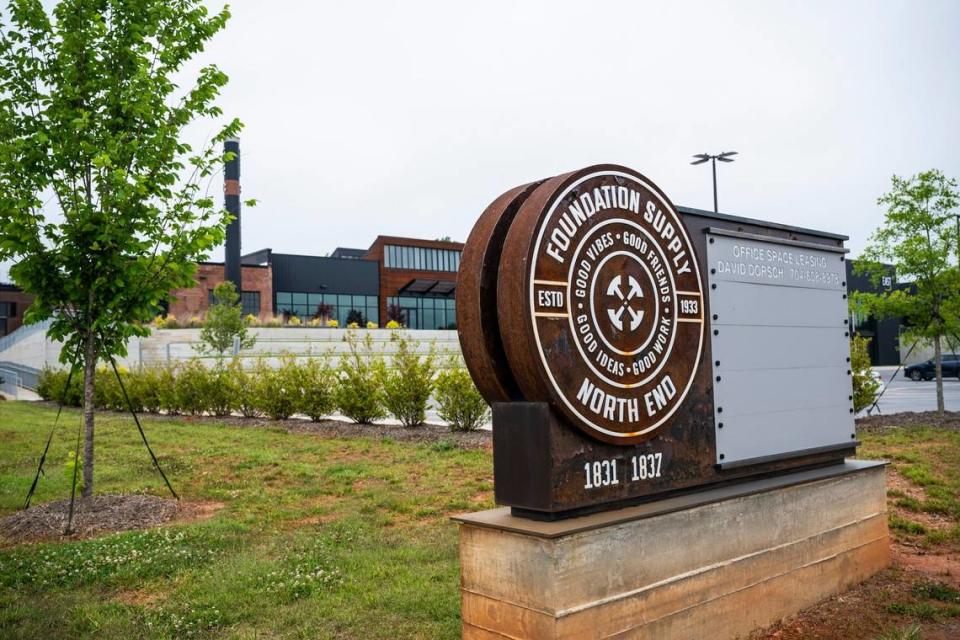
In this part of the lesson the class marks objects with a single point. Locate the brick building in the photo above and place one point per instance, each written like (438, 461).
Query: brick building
(13, 302)
(256, 297)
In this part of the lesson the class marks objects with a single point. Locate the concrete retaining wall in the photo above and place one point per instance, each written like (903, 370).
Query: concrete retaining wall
(33, 349)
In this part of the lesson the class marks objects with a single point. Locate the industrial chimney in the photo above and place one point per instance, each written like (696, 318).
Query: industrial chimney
(231, 196)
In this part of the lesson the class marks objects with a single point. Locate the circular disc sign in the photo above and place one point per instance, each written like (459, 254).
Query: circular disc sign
(613, 298)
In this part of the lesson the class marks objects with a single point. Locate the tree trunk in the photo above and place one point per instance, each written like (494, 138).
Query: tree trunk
(89, 373)
(937, 357)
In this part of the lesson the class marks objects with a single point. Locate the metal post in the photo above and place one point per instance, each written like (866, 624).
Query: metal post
(713, 161)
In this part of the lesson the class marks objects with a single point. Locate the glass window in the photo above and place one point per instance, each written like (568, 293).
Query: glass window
(300, 298)
(250, 303)
(283, 297)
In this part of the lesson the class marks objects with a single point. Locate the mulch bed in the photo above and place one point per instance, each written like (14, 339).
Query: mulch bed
(424, 434)
(949, 420)
(105, 513)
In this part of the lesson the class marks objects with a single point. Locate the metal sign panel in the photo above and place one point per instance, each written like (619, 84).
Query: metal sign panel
(780, 347)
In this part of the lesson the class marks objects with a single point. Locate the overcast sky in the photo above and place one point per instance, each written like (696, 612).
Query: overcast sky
(366, 118)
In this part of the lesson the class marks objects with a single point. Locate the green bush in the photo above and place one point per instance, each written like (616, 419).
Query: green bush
(246, 387)
(51, 382)
(106, 389)
(168, 398)
(222, 390)
(144, 385)
(279, 393)
(458, 401)
(319, 384)
(865, 387)
(192, 387)
(408, 382)
(358, 394)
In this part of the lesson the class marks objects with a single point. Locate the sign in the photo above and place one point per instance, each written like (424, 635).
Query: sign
(613, 274)
(781, 338)
(631, 349)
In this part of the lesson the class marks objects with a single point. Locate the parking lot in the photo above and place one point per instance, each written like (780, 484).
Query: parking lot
(904, 394)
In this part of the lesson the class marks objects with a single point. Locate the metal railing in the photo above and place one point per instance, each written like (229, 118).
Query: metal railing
(25, 331)
(10, 383)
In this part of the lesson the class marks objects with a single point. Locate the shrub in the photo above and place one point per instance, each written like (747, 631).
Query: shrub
(273, 322)
(355, 316)
(319, 384)
(353, 325)
(865, 387)
(172, 322)
(358, 394)
(333, 324)
(193, 387)
(145, 385)
(372, 325)
(458, 401)
(160, 322)
(279, 390)
(408, 382)
(246, 386)
(106, 390)
(294, 321)
(393, 324)
(168, 399)
(51, 382)
(222, 390)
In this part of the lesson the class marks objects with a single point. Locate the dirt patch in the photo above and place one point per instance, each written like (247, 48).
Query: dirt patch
(949, 420)
(98, 515)
(863, 612)
(943, 567)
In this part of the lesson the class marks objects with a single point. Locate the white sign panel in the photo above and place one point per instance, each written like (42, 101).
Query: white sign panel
(780, 344)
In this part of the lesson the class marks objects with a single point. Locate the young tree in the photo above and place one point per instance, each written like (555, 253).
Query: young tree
(918, 236)
(102, 205)
(224, 322)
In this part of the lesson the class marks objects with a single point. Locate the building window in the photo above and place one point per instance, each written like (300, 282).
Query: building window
(342, 307)
(420, 258)
(8, 309)
(249, 302)
(423, 312)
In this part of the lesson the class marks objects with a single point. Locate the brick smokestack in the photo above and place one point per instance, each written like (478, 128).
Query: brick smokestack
(231, 196)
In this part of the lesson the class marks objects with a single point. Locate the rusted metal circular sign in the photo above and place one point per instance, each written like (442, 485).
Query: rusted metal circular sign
(600, 304)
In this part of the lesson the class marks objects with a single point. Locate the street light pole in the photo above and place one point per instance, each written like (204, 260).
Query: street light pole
(713, 162)
(725, 156)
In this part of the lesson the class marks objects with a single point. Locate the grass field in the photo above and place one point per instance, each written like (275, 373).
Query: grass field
(317, 538)
(336, 538)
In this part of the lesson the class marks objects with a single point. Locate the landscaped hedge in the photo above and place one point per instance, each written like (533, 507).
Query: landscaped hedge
(364, 386)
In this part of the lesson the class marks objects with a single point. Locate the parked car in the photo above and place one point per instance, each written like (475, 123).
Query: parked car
(949, 363)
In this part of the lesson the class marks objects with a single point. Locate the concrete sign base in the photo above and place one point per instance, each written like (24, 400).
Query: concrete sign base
(712, 564)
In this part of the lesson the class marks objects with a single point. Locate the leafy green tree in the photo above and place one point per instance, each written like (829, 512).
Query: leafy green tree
(918, 236)
(102, 204)
(865, 386)
(225, 323)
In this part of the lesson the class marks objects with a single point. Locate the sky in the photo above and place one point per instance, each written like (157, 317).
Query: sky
(409, 118)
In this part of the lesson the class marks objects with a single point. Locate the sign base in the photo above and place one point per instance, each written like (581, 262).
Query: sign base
(714, 564)
(546, 470)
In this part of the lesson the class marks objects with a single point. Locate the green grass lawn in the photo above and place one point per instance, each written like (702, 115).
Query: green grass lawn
(317, 538)
(326, 538)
